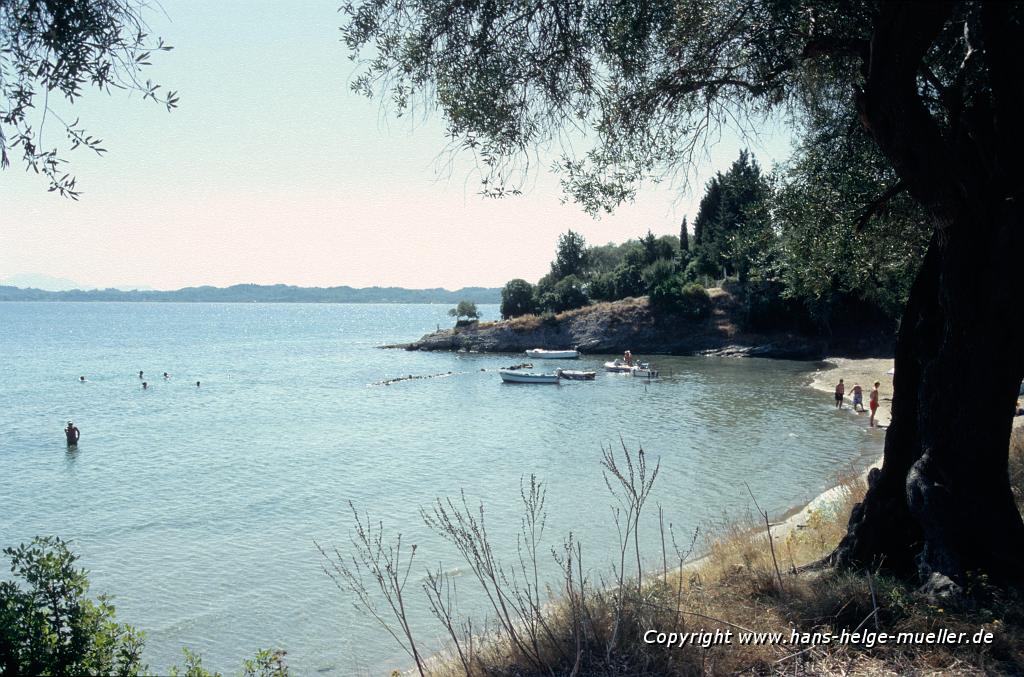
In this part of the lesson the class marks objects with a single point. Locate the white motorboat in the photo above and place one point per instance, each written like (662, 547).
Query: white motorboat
(576, 375)
(645, 371)
(511, 376)
(542, 354)
(618, 366)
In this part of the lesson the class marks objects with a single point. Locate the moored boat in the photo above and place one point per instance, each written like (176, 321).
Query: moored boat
(510, 376)
(576, 375)
(542, 354)
(645, 371)
(618, 366)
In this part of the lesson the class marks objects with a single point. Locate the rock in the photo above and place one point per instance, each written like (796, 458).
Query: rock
(941, 590)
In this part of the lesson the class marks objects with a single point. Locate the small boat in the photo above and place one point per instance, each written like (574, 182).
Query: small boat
(576, 375)
(618, 366)
(645, 371)
(510, 376)
(542, 354)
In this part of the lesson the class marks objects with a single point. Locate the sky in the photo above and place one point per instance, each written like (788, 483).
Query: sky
(272, 171)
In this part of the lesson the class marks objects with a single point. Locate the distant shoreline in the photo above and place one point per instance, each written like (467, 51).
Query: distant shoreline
(253, 293)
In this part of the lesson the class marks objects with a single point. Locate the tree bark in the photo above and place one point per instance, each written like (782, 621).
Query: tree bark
(941, 503)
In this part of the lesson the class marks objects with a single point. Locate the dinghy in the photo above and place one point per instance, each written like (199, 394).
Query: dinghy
(618, 367)
(542, 354)
(510, 376)
(576, 375)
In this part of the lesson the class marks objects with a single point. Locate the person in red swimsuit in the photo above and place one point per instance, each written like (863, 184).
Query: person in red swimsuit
(873, 403)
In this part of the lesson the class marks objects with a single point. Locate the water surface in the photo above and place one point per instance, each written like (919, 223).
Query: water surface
(197, 508)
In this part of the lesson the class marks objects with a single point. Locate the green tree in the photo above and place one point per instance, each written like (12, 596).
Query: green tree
(570, 256)
(683, 257)
(517, 298)
(834, 263)
(63, 47)
(566, 294)
(48, 624)
(938, 87)
(465, 309)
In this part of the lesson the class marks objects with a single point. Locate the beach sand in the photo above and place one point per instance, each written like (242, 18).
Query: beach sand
(865, 372)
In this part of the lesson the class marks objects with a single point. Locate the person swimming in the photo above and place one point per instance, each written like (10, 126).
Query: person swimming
(72, 434)
(166, 375)
(140, 373)
(197, 384)
(145, 385)
(81, 379)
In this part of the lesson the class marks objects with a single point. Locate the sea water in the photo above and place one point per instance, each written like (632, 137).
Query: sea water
(198, 508)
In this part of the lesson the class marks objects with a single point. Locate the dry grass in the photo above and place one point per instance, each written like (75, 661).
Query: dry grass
(597, 627)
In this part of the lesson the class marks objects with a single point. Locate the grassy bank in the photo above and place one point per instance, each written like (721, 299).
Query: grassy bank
(751, 582)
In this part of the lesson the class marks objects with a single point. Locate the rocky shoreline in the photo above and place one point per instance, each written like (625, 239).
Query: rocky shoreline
(611, 328)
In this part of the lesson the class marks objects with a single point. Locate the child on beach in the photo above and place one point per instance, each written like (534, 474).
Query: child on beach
(858, 398)
(840, 392)
(873, 403)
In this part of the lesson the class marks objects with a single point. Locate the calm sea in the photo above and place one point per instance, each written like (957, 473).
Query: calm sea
(197, 508)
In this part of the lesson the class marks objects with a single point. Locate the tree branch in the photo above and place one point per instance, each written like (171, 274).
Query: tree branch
(879, 203)
(892, 110)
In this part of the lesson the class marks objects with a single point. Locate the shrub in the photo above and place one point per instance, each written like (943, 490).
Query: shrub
(689, 300)
(51, 627)
(662, 270)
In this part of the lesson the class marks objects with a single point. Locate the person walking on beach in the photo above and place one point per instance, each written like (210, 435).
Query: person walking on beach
(858, 398)
(840, 392)
(72, 434)
(873, 403)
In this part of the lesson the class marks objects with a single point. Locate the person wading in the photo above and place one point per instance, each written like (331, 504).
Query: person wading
(72, 434)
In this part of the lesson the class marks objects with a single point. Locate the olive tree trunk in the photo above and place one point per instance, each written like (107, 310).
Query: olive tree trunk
(941, 503)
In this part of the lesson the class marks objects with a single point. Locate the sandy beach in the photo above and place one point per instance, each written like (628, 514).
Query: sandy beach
(865, 372)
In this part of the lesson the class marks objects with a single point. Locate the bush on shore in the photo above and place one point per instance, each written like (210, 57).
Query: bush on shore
(689, 300)
(50, 626)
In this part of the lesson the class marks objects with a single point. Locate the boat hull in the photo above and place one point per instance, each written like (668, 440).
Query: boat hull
(575, 375)
(525, 377)
(541, 354)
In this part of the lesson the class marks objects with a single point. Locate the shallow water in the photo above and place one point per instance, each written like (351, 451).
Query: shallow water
(197, 508)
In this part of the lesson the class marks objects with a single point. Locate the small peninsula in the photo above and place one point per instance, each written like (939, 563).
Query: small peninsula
(632, 324)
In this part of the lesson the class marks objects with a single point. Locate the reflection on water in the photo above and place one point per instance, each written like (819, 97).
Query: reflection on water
(197, 507)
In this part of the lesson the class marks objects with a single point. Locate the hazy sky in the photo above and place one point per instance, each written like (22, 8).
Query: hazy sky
(272, 171)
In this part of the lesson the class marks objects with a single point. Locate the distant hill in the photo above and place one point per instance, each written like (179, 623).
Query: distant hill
(255, 293)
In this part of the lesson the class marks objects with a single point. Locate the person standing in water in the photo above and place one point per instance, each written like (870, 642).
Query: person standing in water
(840, 392)
(72, 434)
(873, 403)
(145, 385)
(197, 384)
(858, 398)
(140, 373)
